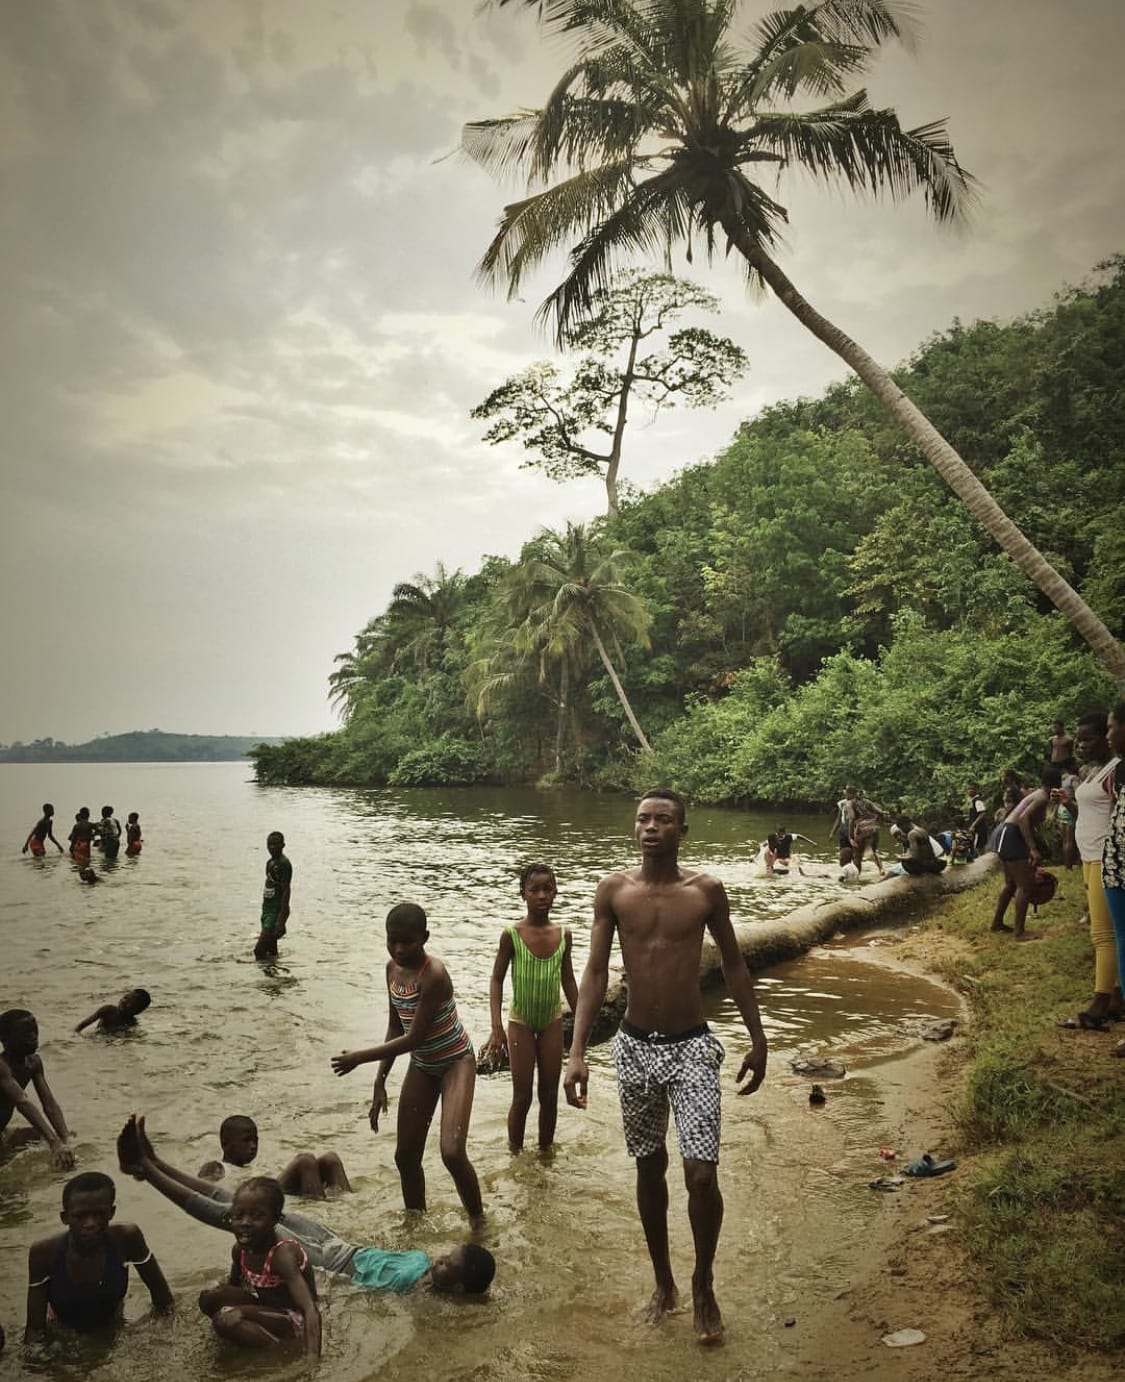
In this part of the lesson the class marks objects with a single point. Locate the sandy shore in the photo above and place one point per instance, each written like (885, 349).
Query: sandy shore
(910, 1272)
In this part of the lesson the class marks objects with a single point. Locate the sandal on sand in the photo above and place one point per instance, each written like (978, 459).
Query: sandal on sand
(927, 1166)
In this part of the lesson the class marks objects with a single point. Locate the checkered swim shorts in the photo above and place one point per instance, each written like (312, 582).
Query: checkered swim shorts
(684, 1075)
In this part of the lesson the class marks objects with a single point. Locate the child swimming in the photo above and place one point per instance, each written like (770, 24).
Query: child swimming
(539, 954)
(423, 1022)
(80, 1278)
(307, 1174)
(114, 1017)
(270, 1296)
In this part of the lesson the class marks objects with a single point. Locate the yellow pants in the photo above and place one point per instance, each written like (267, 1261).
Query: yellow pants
(1101, 929)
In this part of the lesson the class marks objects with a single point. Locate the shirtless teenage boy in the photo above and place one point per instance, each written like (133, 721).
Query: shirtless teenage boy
(664, 1052)
(21, 1065)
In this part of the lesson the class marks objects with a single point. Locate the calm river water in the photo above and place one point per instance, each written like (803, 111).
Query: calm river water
(227, 1035)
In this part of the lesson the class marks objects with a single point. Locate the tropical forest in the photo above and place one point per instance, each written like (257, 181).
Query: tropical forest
(901, 583)
(812, 606)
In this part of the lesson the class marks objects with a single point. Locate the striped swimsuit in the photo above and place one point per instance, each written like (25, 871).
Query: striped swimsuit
(536, 983)
(447, 1042)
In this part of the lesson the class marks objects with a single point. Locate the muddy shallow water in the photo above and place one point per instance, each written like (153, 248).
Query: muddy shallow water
(226, 1035)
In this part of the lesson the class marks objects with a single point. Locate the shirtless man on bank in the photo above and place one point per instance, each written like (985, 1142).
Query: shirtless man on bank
(664, 1052)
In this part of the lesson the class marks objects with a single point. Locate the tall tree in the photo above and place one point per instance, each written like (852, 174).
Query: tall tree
(576, 426)
(656, 132)
(570, 586)
(422, 616)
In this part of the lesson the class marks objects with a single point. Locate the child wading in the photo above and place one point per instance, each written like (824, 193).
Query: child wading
(540, 956)
(270, 1297)
(423, 1022)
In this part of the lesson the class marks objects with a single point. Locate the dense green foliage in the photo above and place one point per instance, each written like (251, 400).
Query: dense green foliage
(819, 607)
(138, 746)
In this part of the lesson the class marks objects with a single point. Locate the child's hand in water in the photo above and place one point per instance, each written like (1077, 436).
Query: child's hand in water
(345, 1062)
(62, 1158)
(379, 1104)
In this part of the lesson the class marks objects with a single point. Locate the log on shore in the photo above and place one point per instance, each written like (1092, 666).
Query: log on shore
(766, 943)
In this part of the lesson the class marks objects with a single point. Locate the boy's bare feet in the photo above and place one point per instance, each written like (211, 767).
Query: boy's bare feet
(708, 1321)
(664, 1300)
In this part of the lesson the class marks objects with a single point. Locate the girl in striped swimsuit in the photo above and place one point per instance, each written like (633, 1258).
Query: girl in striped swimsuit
(422, 1021)
(539, 954)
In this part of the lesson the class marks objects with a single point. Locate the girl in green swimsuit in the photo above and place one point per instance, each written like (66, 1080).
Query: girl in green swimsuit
(539, 954)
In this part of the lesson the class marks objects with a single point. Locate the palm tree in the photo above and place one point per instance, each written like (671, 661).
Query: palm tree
(569, 588)
(657, 132)
(422, 616)
(356, 670)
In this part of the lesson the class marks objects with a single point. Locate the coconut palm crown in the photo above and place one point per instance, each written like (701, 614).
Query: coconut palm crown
(664, 128)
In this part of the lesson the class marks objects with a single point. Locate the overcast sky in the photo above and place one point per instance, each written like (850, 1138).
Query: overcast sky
(242, 336)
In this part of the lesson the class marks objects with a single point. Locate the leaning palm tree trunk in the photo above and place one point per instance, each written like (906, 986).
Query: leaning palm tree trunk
(621, 696)
(940, 455)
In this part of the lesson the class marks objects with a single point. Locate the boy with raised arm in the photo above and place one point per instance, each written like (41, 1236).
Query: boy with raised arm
(664, 1051)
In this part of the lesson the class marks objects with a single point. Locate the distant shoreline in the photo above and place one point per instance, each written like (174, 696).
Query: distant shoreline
(138, 746)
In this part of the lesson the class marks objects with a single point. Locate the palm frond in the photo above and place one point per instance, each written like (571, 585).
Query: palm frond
(871, 152)
(655, 214)
(503, 145)
(530, 229)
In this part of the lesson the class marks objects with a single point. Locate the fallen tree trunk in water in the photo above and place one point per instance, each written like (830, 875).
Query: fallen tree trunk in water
(765, 943)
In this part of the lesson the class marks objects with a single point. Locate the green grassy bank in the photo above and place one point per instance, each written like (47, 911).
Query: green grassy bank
(1041, 1117)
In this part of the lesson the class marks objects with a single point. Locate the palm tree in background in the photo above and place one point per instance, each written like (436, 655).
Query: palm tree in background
(659, 133)
(422, 616)
(358, 669)
(568, 589)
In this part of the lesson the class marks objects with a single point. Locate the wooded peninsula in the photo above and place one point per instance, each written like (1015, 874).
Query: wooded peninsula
(812, 607)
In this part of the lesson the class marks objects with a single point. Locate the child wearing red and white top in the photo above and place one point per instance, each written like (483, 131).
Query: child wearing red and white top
(270, 1296)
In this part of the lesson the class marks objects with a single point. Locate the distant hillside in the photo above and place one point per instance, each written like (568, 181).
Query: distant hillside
(138, 746)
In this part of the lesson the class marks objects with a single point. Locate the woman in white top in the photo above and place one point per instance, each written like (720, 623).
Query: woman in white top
(1093, 800)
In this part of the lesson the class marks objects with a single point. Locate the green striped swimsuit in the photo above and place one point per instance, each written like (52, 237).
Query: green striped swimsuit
(536, 984)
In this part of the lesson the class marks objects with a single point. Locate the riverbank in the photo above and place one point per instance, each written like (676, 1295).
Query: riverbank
(1011, 1264)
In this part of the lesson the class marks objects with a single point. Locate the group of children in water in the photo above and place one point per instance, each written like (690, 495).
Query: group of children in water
(106, 832)
(79, 1278)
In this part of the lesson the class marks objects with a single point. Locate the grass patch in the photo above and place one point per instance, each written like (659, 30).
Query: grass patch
(1042, 1111)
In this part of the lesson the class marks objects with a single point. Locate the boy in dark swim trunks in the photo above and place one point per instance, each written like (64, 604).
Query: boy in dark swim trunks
(275, 897)
(42, 831)
(79, 1278)
(307, 1175)
(665, 1054)
(21, 1065)
(114, 1017)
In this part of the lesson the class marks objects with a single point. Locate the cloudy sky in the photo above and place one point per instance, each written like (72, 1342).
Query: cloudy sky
(242, 336)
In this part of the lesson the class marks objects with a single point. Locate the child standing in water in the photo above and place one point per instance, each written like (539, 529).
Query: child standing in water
(109, 833)
(133, 839)
(270, 1297)
(423, 1022)
(41, 831)
(81, 836)
(540, 957)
